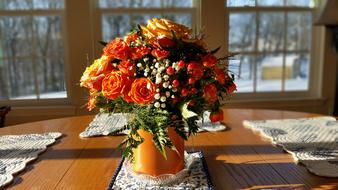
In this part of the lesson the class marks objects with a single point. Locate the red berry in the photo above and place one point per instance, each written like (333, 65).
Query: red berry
(191, 80)
(184, 92)
(191, 66)
(176, 83)
(214, 117)
(181, 64)
(194, 90)
(170, 70)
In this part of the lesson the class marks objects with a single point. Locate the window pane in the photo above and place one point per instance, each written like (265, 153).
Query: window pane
(20, 78)
(48, 4)
(300, 3)
(271, 32)
(48, 35)
(299, 31)
(270, 2)
(242, 31)
(269, 72)
(117, 25)
(15, 4)
(297, 72)
(51, 77)
(240, 3)
(31, 4)
(16, 36)
(242, 67)
(144, 3)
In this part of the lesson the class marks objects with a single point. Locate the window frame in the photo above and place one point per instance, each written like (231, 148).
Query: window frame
(313, 88)
(97, 12)
(38, 101)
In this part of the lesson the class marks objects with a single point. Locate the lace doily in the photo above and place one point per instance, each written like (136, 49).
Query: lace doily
(17, 150)
(194, 176)
(104, 123)
(311, 141)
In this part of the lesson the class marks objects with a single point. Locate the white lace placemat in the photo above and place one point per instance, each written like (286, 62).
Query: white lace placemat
(17, 150)
(197, 177)
(311, 141)
(104, 123)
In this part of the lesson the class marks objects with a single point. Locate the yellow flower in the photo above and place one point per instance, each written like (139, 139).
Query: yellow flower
(94, 74)
(158, 28)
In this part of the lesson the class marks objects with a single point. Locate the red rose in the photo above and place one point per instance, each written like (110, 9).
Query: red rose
(117, 49)
(210, 93)
(139, 52)
(209, 60)
(160, 53)
(232, 88)
(219, 75)
(165, 42)
(127, 67)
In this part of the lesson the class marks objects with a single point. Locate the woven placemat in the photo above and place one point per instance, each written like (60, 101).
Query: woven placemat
(17, 150)
(197, 178)
(311, 141)
(104, 123)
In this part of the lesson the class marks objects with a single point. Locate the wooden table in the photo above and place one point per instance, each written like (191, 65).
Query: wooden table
(237, 158)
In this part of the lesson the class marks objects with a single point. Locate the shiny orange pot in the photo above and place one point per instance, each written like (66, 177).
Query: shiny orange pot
(149, 160)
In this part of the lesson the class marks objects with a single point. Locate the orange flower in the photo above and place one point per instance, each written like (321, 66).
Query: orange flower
(139, 52)
(131, 38)
(160, 53)
(117, 49)
(219, 75)
(94, 74)
(210, 93)
(163, 27)
(142, 91)
(113, 85)
(209, 60)
(127, 67)
(91, 103)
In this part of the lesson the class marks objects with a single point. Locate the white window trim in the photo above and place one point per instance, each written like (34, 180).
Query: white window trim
(312, 89)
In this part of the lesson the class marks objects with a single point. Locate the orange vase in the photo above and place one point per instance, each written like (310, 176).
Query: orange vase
(149, 160)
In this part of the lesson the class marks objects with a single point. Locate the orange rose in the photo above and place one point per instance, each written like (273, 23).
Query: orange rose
(94, 74)
(219, 75)
(127, 67)
(117, 49)
(113, 85)
(160, 53)
(139, 52)
(210, 93)
(142, 91)
(164, 27)
(131, 38)
(209, 60)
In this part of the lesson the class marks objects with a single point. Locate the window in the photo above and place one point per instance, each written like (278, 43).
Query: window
(120, 16)
(273, 41)
(31, 50)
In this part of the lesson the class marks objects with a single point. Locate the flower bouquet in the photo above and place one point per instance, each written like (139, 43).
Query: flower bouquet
(165, 78)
